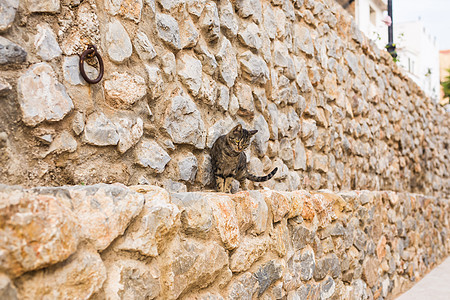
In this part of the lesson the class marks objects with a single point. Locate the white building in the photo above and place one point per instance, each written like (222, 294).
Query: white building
(369, 16)
(418, 54)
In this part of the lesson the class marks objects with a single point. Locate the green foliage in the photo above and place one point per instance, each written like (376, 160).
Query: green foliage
(446, 85)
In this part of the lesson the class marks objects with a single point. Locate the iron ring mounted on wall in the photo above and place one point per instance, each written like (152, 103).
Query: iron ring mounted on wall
(91, 51)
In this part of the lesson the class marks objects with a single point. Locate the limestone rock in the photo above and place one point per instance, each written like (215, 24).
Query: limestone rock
(109, 209)
(41, 96)
(223, 97)
(71, 70)
(190, 72)
(65, 142)
(352, 62)
(168, 30)
(125, 88)
(132, 279)
(228, 20)
(328, 287)
(252, 211)
(38, 230)
(301, 266)
(255, 68)
(196, 213)
(249, 251)
(118, 43)
(7, 289)
(11, 53)
(184, 123)
(205, 174)
(155, 225)
(246, 103)
(149, 154)
(303, 40)
(244, 287)
(209, 62)
(191, 264)
(8, 9)
(155, 81)
(299, 156)
(129, 9)
(250, 36)
(228, 65)
(247, 8)
(195, 7)
(5, 87)
(268, 274)
(269, 22)
(279, 202)
(226, 219)
(45, 43)
(130, 132)
(144, 47)
(210, 22)
(78, 122)
(262, 136)
(188, 168)
(43, 6)
(219, 128)
(188, 34)
(100, 130)
(79, 277)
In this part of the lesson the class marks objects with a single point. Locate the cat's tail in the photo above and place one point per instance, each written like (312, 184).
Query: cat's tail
(261, 178)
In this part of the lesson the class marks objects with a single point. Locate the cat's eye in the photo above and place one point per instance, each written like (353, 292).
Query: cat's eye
(236, 141)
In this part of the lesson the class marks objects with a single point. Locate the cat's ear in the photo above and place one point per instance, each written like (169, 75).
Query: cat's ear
(237, 128)
(253, 132)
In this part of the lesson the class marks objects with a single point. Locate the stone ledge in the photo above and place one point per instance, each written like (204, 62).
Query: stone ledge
(117, 242)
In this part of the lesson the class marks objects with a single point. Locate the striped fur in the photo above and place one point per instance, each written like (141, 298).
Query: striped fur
(229, 160)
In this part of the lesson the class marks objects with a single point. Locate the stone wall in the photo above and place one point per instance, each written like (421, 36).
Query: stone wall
(332, 110)
(113, 242)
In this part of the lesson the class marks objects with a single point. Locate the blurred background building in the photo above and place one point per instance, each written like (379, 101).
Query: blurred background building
(418, 51)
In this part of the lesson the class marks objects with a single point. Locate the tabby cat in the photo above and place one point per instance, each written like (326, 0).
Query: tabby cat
(229, 160)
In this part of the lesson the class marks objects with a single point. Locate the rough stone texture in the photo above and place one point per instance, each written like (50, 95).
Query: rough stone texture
(149, 154)
(45, 42)
(340, 115)
(41, 96)
(130, 132)
(168, 30)
(188, 168)
(7, 289)
(184, 123)
(118, 42)
(71, 70)
(79, 277)
(190, 72)
(8, 9)
(226, 57)
(125, 88)
(49, 6)
(127, 278)
(191, 264)
(156, 224)
(157, 244)
(100, 131)
(130, 9)
(144, 47)
(248, 252)
(37, 231)
(254, 67)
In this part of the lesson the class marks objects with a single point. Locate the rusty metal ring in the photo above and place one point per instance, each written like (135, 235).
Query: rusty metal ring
(91, 51)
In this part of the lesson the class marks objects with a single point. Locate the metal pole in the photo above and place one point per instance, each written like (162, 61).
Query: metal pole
(391, 27)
